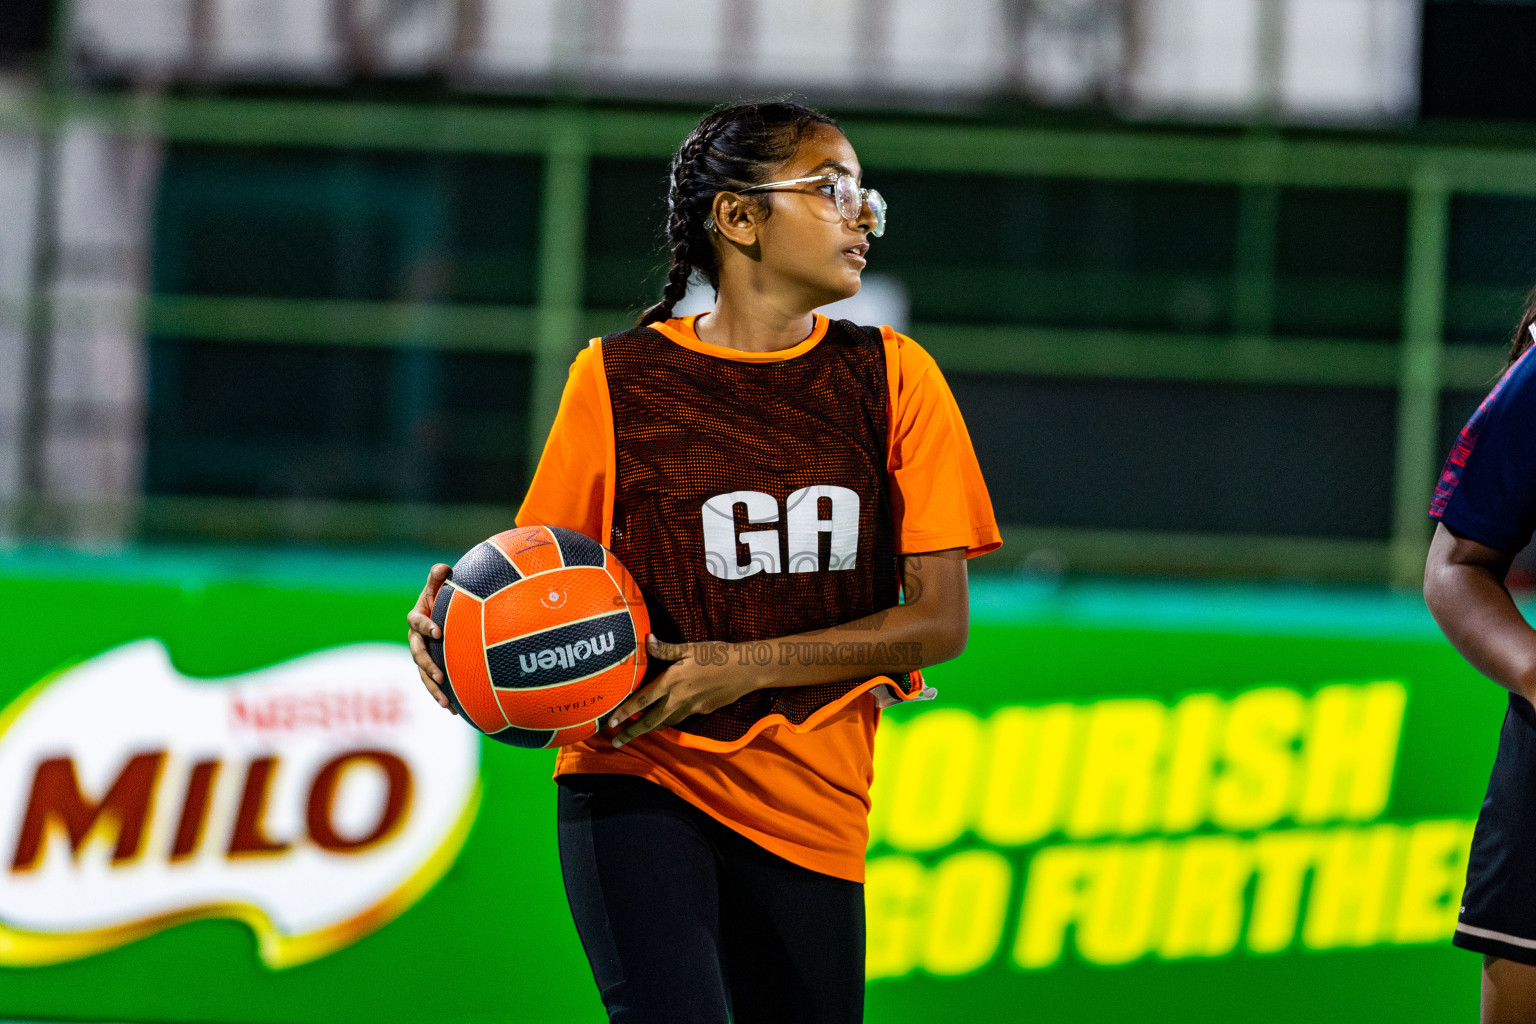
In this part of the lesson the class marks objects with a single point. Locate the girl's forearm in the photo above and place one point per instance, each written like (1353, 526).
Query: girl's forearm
(886, 643)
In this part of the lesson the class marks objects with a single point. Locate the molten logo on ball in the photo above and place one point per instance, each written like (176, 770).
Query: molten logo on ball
(568, 655)
(314, 800)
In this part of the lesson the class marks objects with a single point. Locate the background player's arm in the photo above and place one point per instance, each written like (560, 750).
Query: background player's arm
(930, 627)
(1464, 588)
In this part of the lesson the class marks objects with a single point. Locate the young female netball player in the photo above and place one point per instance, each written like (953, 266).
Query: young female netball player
(1486, 506)
(796, 499)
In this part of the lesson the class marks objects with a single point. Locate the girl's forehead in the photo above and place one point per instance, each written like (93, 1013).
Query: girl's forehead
(825, 148)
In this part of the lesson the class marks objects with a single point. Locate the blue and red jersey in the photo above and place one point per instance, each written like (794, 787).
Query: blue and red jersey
(1487, 489)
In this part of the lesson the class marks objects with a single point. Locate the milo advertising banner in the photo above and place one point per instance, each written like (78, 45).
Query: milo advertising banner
(225, 798)
(312, 801)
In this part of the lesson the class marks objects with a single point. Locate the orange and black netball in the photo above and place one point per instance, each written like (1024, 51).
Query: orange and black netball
(543, 634)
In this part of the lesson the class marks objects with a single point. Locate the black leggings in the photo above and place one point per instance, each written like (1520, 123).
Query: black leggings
(687, 922)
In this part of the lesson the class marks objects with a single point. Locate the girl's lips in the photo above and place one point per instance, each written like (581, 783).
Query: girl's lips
(854, 257)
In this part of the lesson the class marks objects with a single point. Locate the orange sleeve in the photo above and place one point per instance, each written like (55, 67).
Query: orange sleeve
(938, 498)
(571, 485)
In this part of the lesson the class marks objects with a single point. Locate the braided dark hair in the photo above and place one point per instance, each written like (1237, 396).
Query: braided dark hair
(731, 148)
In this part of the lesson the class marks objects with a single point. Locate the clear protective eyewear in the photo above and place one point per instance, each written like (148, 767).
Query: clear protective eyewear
(850, 198)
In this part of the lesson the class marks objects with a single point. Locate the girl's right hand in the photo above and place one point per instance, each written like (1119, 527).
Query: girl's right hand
(419, 619)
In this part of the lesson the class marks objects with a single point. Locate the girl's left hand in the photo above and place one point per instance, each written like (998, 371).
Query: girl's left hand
(701, 678)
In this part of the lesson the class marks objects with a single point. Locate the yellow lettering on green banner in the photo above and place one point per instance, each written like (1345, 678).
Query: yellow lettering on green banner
(1053, 895)
(887, 775)
(1253, 788)
(1121, 749)
(967, 902)
(1191, 755)
(1348, 902)
(1350, 752)
(1026, 777)
(1434, 870)
(1205, 909)
(1121, 904)
(1281, 861)
(931, 804)
(895, 903)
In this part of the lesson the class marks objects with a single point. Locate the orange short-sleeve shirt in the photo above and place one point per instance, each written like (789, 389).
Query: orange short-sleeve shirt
(803, 795)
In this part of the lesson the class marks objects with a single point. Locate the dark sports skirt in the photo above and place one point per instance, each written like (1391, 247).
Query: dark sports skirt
(1498, 908)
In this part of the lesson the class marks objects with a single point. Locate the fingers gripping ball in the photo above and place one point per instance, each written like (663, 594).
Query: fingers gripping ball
(543, 634)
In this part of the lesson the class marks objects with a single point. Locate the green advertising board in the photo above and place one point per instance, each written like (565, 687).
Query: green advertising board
(222, 799)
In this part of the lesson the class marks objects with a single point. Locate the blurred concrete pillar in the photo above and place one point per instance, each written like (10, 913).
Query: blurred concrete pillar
(517, 40)
(645, 38)
(1069, 51)
(959, 46)
(398, 37)
(468, 34)
(18, 196)
(149, 39)
(89, 417)
(807, 44)
(1292, 60)
(1195, 55)
(273, 38)
(1354, 59)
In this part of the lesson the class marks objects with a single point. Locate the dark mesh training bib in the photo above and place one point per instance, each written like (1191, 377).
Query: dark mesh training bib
(732, 504)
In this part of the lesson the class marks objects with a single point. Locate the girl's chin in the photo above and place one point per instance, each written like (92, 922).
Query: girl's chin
(833, 287)
(839, 295)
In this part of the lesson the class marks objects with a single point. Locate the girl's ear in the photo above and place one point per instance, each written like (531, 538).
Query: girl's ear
(735, 218)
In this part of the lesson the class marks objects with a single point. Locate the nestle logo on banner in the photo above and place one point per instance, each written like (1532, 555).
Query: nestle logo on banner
(354, 709)
(305, 799)
(567, 655)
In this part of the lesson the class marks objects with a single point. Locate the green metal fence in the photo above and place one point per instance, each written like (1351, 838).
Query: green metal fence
(567, 138)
